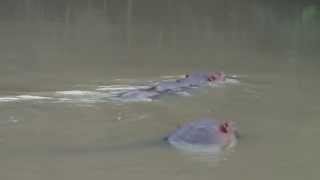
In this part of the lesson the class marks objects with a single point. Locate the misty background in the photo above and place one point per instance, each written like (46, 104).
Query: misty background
(43, 40)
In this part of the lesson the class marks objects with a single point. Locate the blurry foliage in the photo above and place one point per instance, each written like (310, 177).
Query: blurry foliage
(311, 14)
(260, 25)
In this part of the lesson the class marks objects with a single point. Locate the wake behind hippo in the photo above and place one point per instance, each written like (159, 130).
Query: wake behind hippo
(204, 135)
(190, 81)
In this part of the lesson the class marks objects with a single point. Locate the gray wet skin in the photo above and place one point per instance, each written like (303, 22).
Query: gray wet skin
(164, 87)
(192, 80)
(204, 132)
(200, 132)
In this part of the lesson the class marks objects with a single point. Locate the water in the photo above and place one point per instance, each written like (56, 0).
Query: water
(82, 46)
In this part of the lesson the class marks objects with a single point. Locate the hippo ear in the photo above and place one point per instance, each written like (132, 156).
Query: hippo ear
(226, 124)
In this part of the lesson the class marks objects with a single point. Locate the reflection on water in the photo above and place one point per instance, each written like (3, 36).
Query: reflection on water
(49, 46)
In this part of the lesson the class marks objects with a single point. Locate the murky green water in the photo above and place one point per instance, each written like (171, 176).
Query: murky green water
(66, 45)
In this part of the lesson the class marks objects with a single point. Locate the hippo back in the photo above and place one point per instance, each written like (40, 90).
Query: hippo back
(195, 79)
(169, 86)
(192, 80)
(201, 133)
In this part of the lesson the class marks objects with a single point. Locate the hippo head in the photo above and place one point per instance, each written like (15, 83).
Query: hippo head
(229, 133)
(216, 77)
(210, 77)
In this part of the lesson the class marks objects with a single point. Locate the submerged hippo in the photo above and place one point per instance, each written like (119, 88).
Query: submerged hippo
(190, 81)
(204, 135)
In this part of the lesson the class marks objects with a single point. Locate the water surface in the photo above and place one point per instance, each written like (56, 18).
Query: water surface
(49, 46)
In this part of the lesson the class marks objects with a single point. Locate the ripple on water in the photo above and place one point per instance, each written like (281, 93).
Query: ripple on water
(22, 98)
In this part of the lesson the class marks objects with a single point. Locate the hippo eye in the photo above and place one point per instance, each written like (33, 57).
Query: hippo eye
(211, 78)
(223, 128)
(187, 75)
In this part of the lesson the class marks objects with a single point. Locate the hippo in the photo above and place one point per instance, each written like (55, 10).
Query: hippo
(190, 81)
(205, 134)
